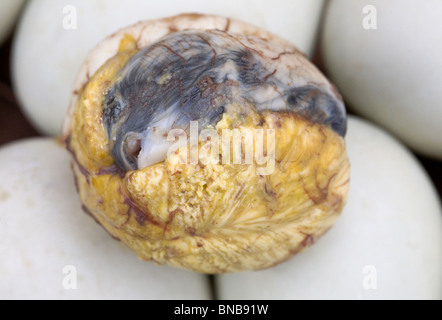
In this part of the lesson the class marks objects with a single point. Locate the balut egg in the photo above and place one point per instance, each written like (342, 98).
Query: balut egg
(385, 57)
(386, 245)
(206, 143)
(54, 37)
(51, 250)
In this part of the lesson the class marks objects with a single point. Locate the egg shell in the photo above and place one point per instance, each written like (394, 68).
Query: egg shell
(387, 244)
(391, 74)
(9, 12)
(47, 56)
(49, 243)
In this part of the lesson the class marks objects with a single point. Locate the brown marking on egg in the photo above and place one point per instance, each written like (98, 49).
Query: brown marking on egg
(78, 165)
(240, 192)
(308, 241)
(320, 194)
(140, 216)
(343, 183)
(90, 214)
(336, 202)
(191, 231)
(213, 50)
(172, 215)
(172, 28)
(227, 27)
(171, 252)
(269, 190)
(269, 75)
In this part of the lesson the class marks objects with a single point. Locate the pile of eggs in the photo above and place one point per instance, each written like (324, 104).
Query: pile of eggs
(384, 57)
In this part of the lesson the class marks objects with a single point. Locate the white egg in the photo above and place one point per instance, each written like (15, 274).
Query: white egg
(50, 249)
(385, 57)
(9, 12)
(53, 39)
(386, 245)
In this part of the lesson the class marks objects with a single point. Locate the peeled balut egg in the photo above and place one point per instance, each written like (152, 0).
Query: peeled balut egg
(158, 112)
(385, 58)
(386, 245)
(51, 250)
(54, 37)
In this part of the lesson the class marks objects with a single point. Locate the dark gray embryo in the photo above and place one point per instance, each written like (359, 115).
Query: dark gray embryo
(193, 76)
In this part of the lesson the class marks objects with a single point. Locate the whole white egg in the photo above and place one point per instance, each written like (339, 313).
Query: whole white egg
(50, 249)
(9, 11)
(385, 57)
(53, 39)
(386, 245)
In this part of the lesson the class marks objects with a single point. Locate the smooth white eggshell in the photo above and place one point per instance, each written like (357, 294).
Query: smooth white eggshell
(43, 230)
(46, 57)
(386, 245)
(9, 11)
(393, 74)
